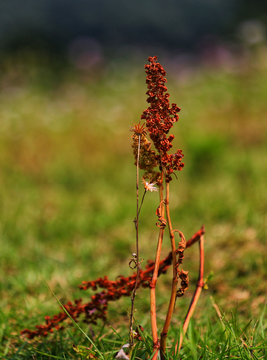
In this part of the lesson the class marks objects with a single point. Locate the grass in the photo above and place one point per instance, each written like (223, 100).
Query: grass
(210, 338)
(67, 187)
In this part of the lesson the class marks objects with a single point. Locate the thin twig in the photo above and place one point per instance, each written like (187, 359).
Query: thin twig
(143, 197)
(136, 221)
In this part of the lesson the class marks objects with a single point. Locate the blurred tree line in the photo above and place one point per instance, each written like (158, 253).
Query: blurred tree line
(171, 24)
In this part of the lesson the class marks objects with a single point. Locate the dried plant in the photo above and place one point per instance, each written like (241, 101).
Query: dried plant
(159, 165)
(112, 291)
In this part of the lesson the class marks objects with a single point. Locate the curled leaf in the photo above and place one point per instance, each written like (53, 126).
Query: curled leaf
(183, 275)
(162, 222)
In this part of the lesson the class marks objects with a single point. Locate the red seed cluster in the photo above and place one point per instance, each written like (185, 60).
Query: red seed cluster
(112, 290)
(160, 117)
(95, 309)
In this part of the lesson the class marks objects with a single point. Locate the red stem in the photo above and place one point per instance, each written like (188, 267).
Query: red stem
(197, 293)
(153, 282)
(174, 277)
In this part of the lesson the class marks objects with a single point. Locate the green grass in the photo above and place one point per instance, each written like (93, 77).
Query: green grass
(67, 188)
(210, 338)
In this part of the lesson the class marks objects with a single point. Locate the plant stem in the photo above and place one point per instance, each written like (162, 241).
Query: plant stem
(196, 237)
(196, 295)
(136, 221)
(154, 280)
(143, 197)
(174, 276)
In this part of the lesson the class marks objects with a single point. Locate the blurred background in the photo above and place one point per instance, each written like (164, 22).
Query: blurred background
(95, 28)
(72, 81)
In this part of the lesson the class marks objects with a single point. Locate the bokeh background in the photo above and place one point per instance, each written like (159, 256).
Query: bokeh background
(72, 81)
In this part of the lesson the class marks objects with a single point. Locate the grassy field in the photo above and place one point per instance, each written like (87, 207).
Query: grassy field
(67, 187)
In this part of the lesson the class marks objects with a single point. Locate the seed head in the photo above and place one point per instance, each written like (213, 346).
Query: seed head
(138, 129)
(160, 117)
